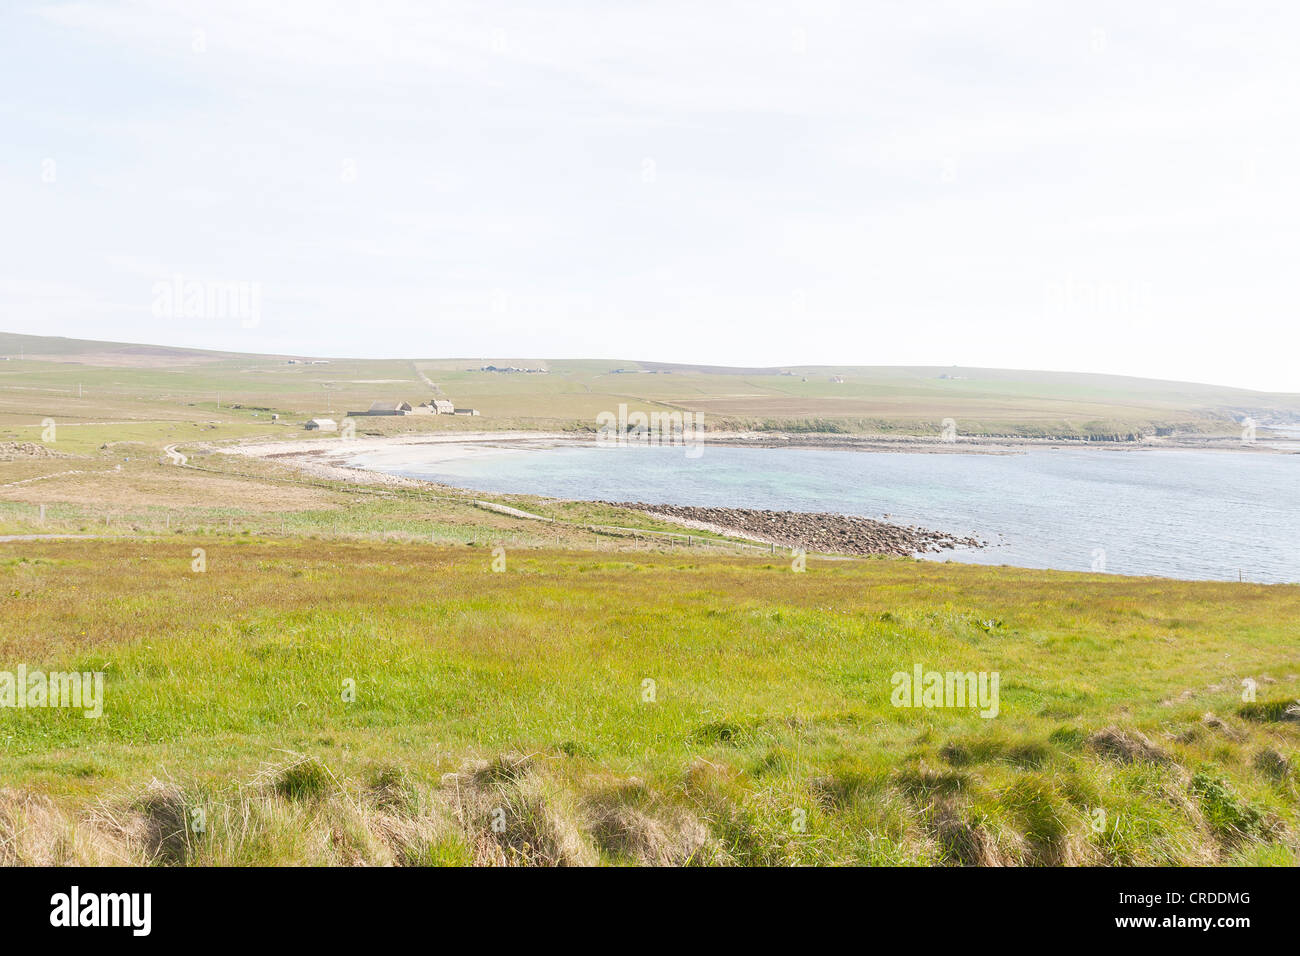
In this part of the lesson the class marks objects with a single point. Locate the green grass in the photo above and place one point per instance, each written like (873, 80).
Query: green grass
(349, 681)
(184, 395)
(766, 737)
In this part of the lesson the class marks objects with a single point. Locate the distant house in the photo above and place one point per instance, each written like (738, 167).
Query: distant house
(434, 406)
(322, 425)
(386, 408)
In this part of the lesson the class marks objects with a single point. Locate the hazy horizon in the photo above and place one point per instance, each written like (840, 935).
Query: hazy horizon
(1104, 190)
(513, 357)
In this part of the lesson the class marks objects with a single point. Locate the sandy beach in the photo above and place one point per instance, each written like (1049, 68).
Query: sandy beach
(328, 456)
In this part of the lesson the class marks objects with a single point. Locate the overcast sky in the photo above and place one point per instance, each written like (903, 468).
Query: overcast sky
(1108, 187)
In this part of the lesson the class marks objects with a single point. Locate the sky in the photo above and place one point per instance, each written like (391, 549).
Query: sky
(1102, 187)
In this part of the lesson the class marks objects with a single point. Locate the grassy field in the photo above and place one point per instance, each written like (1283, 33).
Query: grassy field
(525, 697)
(349, 679)
(652, 708)
(180, 395)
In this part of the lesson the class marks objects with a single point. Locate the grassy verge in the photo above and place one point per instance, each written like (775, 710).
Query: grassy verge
(389, 702)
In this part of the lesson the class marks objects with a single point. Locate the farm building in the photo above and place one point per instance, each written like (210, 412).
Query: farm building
(386, 408)
(322, 425)
(434, 406)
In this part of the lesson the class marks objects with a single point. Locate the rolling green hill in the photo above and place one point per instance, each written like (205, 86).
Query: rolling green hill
(76, 379)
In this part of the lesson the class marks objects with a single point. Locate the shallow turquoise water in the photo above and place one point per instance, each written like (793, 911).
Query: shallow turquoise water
(1183, 514)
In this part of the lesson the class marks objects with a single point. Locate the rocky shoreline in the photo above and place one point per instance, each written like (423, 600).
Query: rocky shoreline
(823, 532)
(18, 450)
